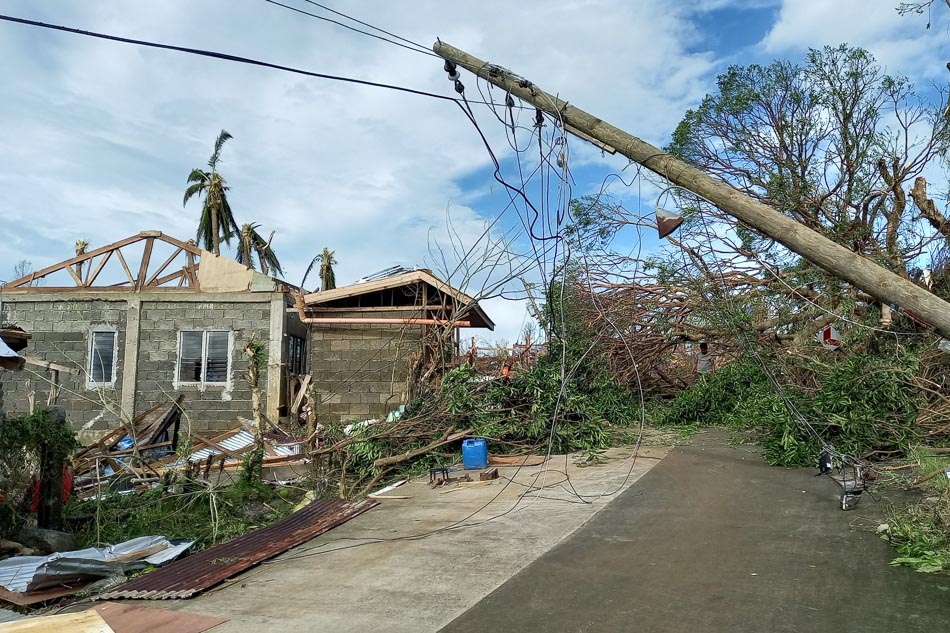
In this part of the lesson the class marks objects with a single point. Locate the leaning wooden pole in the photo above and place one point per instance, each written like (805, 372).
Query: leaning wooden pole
(880, 283)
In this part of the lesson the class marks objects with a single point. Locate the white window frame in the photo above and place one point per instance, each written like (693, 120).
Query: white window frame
(90, 383)
(204, 360)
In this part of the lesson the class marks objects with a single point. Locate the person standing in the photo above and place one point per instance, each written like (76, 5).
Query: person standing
(703, 362)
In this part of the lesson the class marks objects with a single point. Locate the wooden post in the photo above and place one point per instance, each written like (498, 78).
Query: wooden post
(880, 283)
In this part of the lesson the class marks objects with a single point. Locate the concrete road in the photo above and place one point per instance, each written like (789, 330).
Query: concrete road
(714, 540)
(344, 582)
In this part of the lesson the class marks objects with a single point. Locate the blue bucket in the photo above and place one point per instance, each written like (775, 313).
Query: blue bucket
(475, 453)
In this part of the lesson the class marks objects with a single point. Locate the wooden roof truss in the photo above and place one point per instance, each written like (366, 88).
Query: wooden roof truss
(177, 270)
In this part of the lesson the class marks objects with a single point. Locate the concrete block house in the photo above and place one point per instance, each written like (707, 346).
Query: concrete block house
(123, 327)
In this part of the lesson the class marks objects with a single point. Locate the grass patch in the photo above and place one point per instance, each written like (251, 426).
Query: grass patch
(207, 516)
(920, 533)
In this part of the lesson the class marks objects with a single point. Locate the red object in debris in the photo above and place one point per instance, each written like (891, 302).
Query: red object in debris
(830, 339)
(67, 489)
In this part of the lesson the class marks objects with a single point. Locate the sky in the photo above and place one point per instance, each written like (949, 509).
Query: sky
(98, 137)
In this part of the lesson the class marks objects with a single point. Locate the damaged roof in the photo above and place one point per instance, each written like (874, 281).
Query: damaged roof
(8, 358)
(475, 314)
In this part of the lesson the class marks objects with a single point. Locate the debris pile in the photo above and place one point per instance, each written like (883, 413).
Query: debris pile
(29, 579)
(123, 459)
(136, 456)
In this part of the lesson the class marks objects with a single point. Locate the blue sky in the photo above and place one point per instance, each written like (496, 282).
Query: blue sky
(99, 137)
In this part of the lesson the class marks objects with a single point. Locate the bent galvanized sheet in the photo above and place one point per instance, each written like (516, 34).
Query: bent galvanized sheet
(205, 569)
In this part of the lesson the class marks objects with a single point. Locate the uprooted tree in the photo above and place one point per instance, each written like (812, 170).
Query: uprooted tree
(841, 147)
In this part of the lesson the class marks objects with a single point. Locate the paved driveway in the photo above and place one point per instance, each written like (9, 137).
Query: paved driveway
(714, 540)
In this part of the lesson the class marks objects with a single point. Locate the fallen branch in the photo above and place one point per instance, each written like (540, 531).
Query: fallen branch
(928, 476)
(447, 437)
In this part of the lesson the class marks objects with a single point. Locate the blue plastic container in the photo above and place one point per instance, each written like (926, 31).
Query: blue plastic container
(474, 453)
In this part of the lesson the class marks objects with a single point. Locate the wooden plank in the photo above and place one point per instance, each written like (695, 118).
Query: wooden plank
(95, 273)
(70, 262)
(164, 265)
(516, 460)
(125, 267)
(185, 246)
(10, 333)
(72, 273)
(298, 401)
(143, 268)
(24, 599)
(374, 321)
(192, 271)
(590, 139)
(147, 447)
(133, 618)
(33, 360)
(318, 309)
(83, 622)
(169, 277)
(218, 447)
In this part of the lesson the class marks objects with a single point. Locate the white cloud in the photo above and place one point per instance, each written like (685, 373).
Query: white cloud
(901, 44)
(99, 136)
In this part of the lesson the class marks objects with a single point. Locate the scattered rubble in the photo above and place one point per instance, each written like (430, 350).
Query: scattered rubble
(24, 578)
(136, 456)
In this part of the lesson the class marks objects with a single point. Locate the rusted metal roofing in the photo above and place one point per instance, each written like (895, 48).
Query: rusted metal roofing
(191, 575)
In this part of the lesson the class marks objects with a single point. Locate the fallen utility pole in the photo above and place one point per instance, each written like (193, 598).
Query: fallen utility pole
(880, 283)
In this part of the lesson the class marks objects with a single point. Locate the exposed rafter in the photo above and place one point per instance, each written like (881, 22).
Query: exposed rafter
(167, 274)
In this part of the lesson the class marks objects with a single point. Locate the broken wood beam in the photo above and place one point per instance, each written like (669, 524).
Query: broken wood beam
(378, 321)
(447, 437)
(488, 475)
(33, 360)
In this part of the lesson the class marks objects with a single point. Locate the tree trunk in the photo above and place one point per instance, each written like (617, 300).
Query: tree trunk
(214, 231)
(49, 513)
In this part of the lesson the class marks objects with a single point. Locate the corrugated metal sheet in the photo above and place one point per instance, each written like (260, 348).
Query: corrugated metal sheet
(240, 440)
(205, 569)
(9, 616)
(32, 573)
(392, 271)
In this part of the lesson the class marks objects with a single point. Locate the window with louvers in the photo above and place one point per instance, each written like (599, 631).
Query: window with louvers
(203, 357)
(102, 358)
(217, 357)
(296, 354)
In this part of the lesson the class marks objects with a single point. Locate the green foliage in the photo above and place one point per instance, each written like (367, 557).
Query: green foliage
(258, 354)
(216, 222)
(199, 514)
(22, 439)
(919, 534)
(860, 403)
(568, 398)
(250, 475)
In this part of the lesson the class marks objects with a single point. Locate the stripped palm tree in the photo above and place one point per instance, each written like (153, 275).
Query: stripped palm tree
(253, 245)
(327, 277)
(81, 247)
(217, 222)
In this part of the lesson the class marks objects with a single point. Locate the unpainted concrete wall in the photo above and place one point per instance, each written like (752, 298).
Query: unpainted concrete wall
(61, 329)
(60, 334)
(212, 408)
(359, 371)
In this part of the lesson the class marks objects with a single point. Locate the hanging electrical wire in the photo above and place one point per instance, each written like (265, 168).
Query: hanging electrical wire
(415, 48)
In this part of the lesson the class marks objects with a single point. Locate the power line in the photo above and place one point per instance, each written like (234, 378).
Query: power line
(224, 56)
(356, 30)
(227, 57)
(366, 24)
